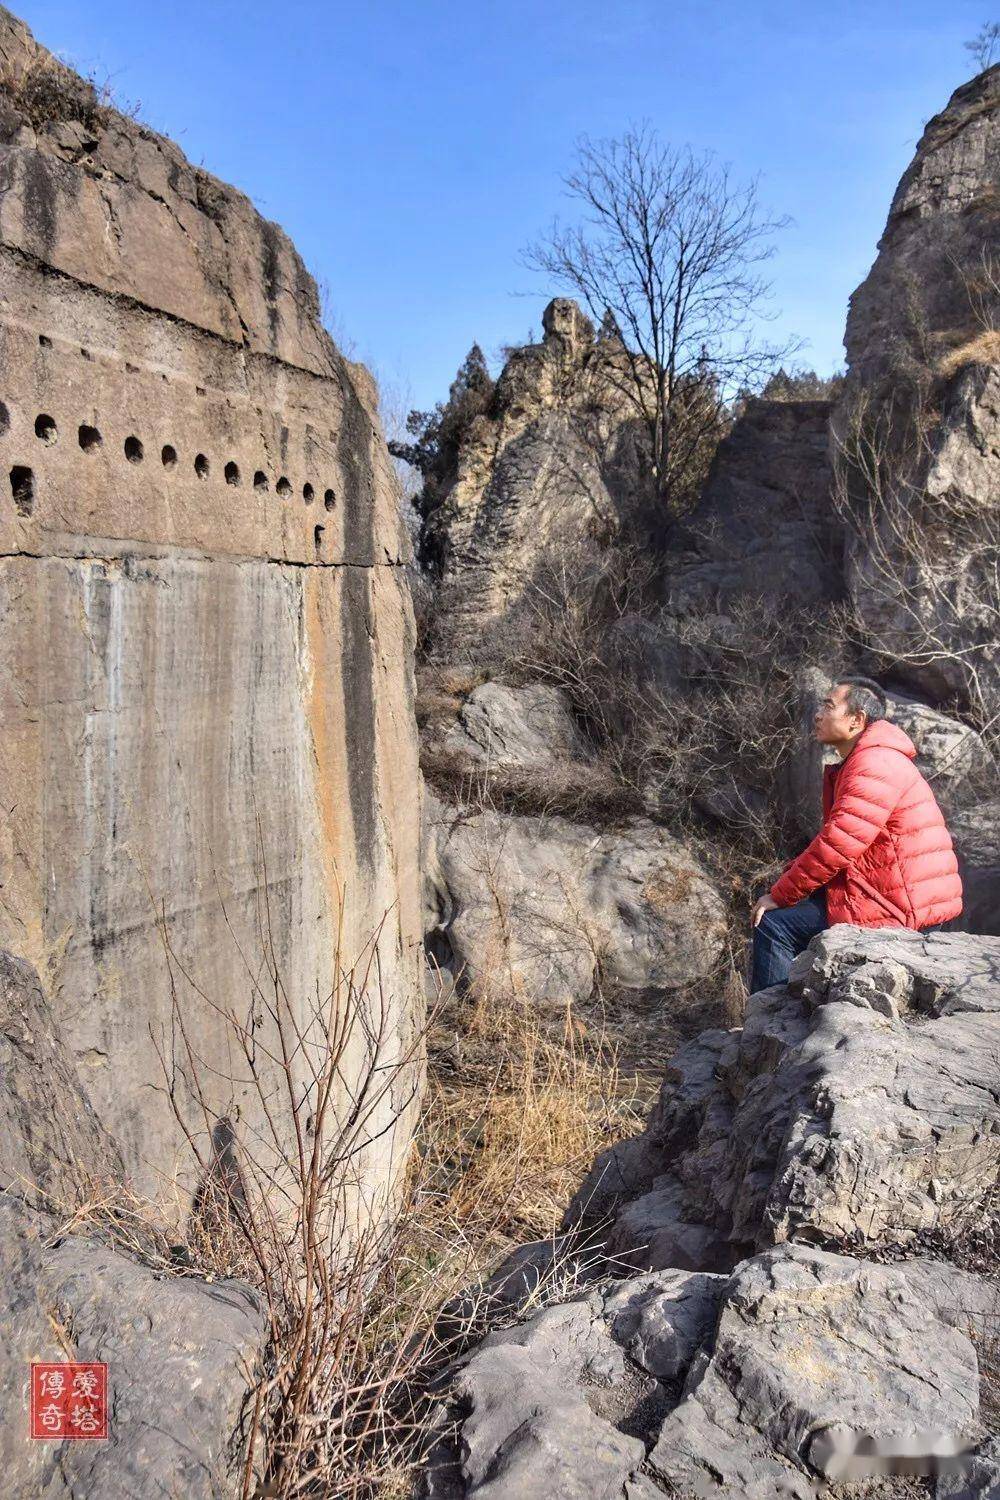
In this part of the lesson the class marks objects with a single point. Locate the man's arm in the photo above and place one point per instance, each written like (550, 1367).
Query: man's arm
(864, 800)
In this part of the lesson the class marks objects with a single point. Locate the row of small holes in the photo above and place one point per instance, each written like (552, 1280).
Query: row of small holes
(90, 440)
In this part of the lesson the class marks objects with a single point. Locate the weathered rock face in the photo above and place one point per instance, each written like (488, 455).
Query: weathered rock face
(516, 726)
(765, 526)
(758, 1385)
(549, 906)
(181, 1354)
(546, 466)
(923, 362)
(976, 831)
(53, 1147)
(857, 1104)
(205, 686)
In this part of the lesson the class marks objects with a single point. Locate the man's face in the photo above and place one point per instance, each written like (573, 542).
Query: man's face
(834, 722)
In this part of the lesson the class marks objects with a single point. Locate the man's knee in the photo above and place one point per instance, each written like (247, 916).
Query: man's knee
(773, 927)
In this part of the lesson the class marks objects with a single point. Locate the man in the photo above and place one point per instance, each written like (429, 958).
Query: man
(883, 857)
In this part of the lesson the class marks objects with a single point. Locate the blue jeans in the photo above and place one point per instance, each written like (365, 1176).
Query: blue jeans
(783, 934)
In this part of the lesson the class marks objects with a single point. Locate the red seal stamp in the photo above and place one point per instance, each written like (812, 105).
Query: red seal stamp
(69, 1400)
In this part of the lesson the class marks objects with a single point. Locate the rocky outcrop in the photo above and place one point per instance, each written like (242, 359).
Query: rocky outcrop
(922, 394)
(769, 1347)
(546, 467)
(803, 1366)
(552, 908)
(857, 1105)
(765, 527)
(206, 730)
(181, 1354)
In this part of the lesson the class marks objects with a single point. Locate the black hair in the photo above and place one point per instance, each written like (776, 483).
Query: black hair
(865, 697)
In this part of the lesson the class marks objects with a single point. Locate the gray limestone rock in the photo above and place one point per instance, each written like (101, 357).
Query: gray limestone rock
(556, 1404)
(764, 527)
(857, 1106)
(556, 904)
(976, 832)
(182, 1355)
(795, 1369)
(531, 1426)
(663, 1319)
(922, 552)
(53, 1148)
(816, 1356)
(546, 471)
(516, 726)
(976, 1477)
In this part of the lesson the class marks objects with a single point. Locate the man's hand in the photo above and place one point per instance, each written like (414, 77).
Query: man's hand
(760, 907)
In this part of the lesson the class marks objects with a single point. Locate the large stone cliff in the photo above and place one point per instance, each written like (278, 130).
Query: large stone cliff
(208, 763)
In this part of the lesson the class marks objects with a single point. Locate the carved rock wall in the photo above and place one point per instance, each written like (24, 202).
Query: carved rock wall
(206, 730)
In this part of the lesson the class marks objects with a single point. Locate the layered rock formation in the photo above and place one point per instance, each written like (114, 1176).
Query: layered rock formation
(769, 1347)
(207, 746)
(547, 466)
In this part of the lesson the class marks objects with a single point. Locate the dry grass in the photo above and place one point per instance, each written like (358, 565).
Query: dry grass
(984, 349)
(47, 92)
(516, 1124)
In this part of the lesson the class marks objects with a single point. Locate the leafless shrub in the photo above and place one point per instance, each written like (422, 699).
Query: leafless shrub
(983, 46)
(686, 705)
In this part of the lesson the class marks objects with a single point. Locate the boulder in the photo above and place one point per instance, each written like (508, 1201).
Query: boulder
(820, 1363)
(182, 1354)
(526, 726)
(552, 907)
(561, 1404)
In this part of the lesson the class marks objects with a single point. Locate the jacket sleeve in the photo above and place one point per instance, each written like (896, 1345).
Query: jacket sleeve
(865, 797)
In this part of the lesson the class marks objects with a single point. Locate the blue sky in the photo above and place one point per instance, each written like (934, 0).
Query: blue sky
(411, 149)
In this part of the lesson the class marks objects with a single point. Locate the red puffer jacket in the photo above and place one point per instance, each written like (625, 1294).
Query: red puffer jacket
(883, 852)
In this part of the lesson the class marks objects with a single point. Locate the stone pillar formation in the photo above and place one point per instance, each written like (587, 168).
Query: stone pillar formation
(206, 640)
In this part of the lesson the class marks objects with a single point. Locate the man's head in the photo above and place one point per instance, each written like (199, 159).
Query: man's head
(845, 713)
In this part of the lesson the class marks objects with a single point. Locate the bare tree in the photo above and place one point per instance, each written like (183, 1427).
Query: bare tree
(985, 44)
(667, 257)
